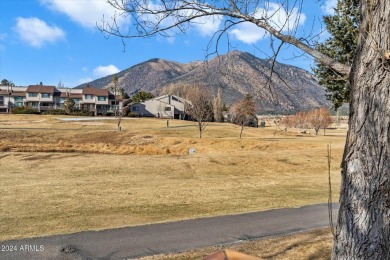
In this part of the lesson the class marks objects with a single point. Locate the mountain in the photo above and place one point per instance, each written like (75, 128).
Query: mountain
(287, 89)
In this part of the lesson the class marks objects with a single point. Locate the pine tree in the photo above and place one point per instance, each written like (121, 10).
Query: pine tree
(69, 105)
(217, 106)
(341, 45)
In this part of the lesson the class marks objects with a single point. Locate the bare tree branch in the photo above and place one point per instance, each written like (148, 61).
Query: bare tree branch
(166, 18)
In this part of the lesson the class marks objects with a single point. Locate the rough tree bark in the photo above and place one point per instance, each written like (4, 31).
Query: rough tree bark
(363, 228)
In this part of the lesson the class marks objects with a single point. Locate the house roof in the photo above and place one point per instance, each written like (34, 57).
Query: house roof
(71, 95)
(180, 99)
(18, 94)
(13, 93)
(95, 91)
(40, 89)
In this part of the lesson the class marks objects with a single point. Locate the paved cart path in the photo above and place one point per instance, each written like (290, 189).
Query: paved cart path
(133, 242)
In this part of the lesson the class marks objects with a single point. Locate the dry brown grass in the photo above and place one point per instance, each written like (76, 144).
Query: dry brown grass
(313, 245)
(60, 177)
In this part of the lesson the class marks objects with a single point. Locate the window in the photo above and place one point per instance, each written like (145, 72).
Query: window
(101, 98)
(167, 108)
(135, 108)
(1, 101)
(32, 94)
(62, 100)
(76, 100)
(46, 104)
(88, 96)
(18, 101)
(34, 104)
(45, 95)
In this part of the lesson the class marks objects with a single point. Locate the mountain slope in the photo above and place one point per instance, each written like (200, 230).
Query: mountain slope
(287, 89)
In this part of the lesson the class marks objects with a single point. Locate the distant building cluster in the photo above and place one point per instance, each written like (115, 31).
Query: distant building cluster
(98, 101)
(43, 98)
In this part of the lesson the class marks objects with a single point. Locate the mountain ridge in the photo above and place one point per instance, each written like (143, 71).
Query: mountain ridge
(285, 90)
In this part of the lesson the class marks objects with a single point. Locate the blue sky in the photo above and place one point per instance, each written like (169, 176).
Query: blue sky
(57, 40)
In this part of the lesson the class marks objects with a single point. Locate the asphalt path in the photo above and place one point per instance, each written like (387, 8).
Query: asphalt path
(138, 241)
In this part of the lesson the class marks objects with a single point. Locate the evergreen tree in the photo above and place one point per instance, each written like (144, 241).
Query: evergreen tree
(5, 82)
(123, 93)
(341, 46)
(217, 106)
(69, 105)
(141, 96)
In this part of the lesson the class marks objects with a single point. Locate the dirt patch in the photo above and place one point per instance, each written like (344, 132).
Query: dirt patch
(88, 123)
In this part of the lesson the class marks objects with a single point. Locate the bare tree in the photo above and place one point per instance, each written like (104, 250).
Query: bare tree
(301, 121)
(201, 109)
(363, 229)
(244, 112)
(320, 118)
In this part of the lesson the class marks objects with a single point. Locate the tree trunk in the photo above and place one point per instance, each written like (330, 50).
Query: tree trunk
(242, 128)
(363, 228)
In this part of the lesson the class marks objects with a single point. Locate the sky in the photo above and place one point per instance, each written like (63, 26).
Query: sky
(57, 41)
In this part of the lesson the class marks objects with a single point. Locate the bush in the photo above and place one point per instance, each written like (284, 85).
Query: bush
(132, 114)
(24, 110)
(73, 113)
(55, 112)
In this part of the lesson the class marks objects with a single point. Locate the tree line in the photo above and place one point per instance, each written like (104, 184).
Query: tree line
(316, 119)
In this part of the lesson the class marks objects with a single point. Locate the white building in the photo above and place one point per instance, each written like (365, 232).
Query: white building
(166, 106)
(42, 98)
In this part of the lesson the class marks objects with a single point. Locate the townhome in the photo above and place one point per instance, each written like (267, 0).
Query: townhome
(75, 94)
(166, 106)
(4, 100)
(180, 105)
(11, 97)
(99, 101)
(43, 98)
(40, 97)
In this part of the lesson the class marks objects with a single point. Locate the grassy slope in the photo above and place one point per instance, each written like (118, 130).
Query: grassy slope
(144, 174)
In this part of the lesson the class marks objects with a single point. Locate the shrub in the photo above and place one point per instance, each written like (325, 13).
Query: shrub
(55, 112)
(132, 114)
(24, 110)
